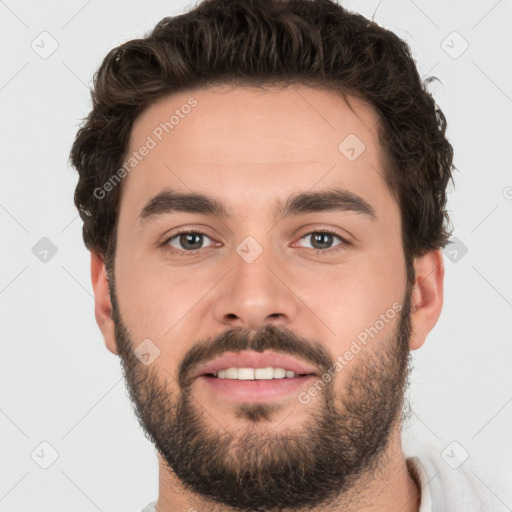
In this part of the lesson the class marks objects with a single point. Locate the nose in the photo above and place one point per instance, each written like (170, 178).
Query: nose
(255, 294)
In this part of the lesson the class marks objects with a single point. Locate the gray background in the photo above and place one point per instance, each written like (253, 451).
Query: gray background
(59, 384)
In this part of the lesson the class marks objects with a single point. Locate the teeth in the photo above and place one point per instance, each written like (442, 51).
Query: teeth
(245, 374)
(255, 373)
(230, 373)
(280, 373)
(264, 373)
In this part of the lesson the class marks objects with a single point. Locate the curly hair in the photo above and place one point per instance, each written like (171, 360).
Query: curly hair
(271, 43)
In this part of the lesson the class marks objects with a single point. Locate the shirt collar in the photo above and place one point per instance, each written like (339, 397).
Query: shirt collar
(419, 473)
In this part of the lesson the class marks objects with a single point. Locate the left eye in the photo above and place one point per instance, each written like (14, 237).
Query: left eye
(322, 239)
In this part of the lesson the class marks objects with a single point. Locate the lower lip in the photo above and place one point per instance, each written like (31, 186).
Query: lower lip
(256, 391)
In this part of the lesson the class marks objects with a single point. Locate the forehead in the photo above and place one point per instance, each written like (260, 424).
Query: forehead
(238, 141)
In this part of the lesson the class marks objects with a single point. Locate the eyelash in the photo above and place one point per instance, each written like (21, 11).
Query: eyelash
(165, 245)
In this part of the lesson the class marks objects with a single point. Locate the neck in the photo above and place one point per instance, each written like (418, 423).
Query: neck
(390, 486)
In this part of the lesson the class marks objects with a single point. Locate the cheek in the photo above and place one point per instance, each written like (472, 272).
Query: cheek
(164, 305)
(358, 300)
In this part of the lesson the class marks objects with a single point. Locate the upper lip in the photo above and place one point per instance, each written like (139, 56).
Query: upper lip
(246, 359)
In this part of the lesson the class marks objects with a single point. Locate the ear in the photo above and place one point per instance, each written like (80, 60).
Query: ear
(102, 303)
(427, 296)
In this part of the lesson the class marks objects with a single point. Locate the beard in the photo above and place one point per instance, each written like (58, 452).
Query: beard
(258, 468)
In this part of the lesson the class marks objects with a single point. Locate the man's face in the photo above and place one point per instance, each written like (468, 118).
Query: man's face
(299, 288)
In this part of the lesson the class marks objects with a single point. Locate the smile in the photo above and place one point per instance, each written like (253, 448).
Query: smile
(254, 373)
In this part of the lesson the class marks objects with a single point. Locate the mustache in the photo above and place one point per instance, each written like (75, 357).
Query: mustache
(270, 337)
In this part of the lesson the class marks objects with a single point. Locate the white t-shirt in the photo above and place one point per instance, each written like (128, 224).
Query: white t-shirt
(448, 483)
(445, 488)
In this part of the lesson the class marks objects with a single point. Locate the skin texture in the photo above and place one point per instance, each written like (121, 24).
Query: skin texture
(249, 148)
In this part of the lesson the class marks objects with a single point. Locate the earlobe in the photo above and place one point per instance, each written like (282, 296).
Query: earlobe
(102, 305)
(427, 296)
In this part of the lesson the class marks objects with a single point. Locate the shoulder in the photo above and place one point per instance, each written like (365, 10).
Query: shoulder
(150, 507)
(450, 482)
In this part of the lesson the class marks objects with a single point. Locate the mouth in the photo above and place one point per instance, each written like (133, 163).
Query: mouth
(266, 373)
(254, 377)
(250, 365)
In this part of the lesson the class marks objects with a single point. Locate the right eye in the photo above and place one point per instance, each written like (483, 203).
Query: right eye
(190, 242)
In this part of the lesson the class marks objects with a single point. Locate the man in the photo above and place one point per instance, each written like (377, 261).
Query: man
(263, 190)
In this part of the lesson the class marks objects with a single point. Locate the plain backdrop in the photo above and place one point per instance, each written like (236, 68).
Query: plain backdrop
(63, 402)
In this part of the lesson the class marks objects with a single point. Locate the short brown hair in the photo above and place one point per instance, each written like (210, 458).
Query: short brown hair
(271, 43)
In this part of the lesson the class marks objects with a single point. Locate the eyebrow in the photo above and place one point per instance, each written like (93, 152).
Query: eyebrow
(170, 201)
